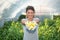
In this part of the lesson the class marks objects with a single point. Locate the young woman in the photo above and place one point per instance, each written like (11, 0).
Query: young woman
(30, 24)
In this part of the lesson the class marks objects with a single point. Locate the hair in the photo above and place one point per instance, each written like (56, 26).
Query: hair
(30, 8)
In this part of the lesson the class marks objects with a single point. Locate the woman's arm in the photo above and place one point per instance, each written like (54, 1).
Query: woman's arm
(23, 21)
(37, 21)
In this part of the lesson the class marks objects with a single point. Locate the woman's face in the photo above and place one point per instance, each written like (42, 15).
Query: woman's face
(30, 14)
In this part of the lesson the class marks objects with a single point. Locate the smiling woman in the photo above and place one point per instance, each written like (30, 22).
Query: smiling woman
(30, 24)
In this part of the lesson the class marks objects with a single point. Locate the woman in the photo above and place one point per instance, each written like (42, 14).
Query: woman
(31, 32)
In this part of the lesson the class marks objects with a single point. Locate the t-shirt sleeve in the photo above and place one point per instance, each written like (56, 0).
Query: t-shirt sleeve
(37, 19)
(22, 19)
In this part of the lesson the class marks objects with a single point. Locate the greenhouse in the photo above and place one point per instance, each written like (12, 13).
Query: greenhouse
(12, 11)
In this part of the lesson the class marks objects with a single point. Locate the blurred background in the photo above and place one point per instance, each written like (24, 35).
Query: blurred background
(12, 9)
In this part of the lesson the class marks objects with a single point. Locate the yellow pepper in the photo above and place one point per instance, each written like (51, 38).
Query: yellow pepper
(30, 24)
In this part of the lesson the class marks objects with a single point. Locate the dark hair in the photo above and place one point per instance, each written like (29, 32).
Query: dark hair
(30, 8)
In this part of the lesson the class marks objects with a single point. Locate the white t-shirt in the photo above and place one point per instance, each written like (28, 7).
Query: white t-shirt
(28, 34)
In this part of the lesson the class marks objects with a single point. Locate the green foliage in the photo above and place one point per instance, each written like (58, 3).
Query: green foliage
(48, 30)
(56, 16)
(11, 31)
(21, 17)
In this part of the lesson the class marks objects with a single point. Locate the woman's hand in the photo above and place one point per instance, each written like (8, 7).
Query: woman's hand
(31, 25)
